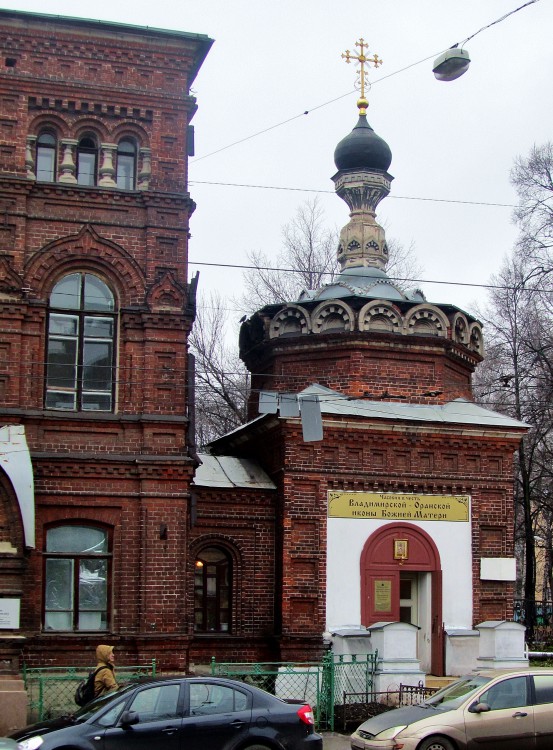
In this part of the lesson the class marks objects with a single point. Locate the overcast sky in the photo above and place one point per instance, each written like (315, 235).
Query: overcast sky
(453, 144)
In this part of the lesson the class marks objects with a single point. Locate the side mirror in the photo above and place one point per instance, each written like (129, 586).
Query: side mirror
(479, 708)
(128, 718)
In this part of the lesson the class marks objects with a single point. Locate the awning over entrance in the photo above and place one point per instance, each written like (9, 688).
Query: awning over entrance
(15, 460)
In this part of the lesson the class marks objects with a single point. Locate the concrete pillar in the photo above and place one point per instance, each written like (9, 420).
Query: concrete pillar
(501, 645)
(13, 704)
(396, 643)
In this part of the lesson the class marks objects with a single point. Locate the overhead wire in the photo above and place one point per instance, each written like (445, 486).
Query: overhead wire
(349, 93)
(332, 192)
(250, 267)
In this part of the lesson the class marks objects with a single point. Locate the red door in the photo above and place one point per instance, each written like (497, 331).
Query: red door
(393, 549)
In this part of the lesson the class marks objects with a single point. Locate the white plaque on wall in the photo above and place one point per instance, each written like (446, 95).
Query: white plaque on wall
(9, 613)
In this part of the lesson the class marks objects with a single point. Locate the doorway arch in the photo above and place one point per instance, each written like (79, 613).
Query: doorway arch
(397, 559)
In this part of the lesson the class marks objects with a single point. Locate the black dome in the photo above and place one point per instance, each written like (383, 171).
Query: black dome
(362, 149)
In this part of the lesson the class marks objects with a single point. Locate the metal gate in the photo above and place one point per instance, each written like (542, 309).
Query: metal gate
(322, 684)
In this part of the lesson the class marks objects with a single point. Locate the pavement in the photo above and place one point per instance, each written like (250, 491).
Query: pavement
(335, 741)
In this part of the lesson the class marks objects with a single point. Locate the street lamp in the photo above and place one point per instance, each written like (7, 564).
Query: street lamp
(451, 64)
(455, 61)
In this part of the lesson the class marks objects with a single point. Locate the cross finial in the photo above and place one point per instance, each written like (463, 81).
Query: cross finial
(363, 60)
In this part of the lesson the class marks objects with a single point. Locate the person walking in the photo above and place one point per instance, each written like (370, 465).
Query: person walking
(104, 681)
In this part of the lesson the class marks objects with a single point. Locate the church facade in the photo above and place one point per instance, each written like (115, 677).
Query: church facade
(400, 509)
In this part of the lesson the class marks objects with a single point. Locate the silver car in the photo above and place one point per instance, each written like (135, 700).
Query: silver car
(488, 710)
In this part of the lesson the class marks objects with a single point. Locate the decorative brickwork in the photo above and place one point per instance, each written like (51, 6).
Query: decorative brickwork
(74, 204)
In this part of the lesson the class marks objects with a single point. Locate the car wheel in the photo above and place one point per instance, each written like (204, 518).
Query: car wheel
(257, 747)
(436, 743)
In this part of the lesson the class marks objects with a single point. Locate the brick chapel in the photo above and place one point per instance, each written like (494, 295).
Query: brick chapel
(112, 528)
(393, 490)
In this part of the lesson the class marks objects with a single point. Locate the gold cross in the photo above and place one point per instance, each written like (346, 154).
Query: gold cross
(362, 59)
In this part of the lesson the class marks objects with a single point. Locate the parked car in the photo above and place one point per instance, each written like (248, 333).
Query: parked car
(180, 713)
(507, 710)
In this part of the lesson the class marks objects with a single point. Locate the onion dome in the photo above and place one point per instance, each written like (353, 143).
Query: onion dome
(362, 149)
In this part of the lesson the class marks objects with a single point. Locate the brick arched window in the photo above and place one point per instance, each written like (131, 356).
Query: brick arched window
(212, 591)
(87, 161)
(81, 345)
(77, 571)
(46, 157)
(126, 164)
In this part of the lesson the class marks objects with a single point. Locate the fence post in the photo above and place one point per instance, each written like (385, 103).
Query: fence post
(327, 690)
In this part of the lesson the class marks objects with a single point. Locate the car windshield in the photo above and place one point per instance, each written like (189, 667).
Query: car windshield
(453, 695)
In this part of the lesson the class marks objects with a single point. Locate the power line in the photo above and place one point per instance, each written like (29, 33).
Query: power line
(349, 93)
(332, 192)
(250, 267)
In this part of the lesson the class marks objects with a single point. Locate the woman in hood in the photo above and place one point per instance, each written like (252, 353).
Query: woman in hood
(105, 672)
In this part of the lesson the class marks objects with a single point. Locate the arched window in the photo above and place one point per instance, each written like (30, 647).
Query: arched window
(87, 161)
(77, 570)
(126, 164)
(212, 591)
(46, 157)
(81, 345)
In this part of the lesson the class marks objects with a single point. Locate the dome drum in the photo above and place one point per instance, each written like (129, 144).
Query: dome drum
(362, 191)
(377, 316)
(363, 243)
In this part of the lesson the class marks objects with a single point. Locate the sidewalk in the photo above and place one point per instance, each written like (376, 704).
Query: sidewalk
(335, 741)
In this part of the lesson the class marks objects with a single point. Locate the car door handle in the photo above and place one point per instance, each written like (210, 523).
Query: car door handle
(237, 723)
(519, 714)
(169, 730)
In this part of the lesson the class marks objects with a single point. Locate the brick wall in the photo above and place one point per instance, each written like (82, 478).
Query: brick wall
(128, 470)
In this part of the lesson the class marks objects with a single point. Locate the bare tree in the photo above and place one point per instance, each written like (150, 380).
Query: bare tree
(517, 374)
(222, 381)
(308, 260)
(532, 178)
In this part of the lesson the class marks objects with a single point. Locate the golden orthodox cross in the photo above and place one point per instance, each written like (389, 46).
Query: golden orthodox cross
(362, 59)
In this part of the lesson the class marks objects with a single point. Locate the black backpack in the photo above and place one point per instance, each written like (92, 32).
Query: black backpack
(85, 689)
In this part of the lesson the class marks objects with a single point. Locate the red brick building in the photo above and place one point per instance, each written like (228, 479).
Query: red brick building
(109, 529)
(95, 309)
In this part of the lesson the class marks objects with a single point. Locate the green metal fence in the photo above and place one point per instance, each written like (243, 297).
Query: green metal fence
(51, 690)
(322, 684)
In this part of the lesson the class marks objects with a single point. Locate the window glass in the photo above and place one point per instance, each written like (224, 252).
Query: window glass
(206, 698)
(97, 296)
(62, 363)
(67, 292)
(97, 357)
(59, 594)
(155, 703)
(212, 591)
(510, 693)
(76, 578)
(543, 684)
(111, 717)
(76, 539)
(46, 157)
(80, 350)
(126, 164)
(87, 155)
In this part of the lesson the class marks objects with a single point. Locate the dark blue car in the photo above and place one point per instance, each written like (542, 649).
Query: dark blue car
(180, 713)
